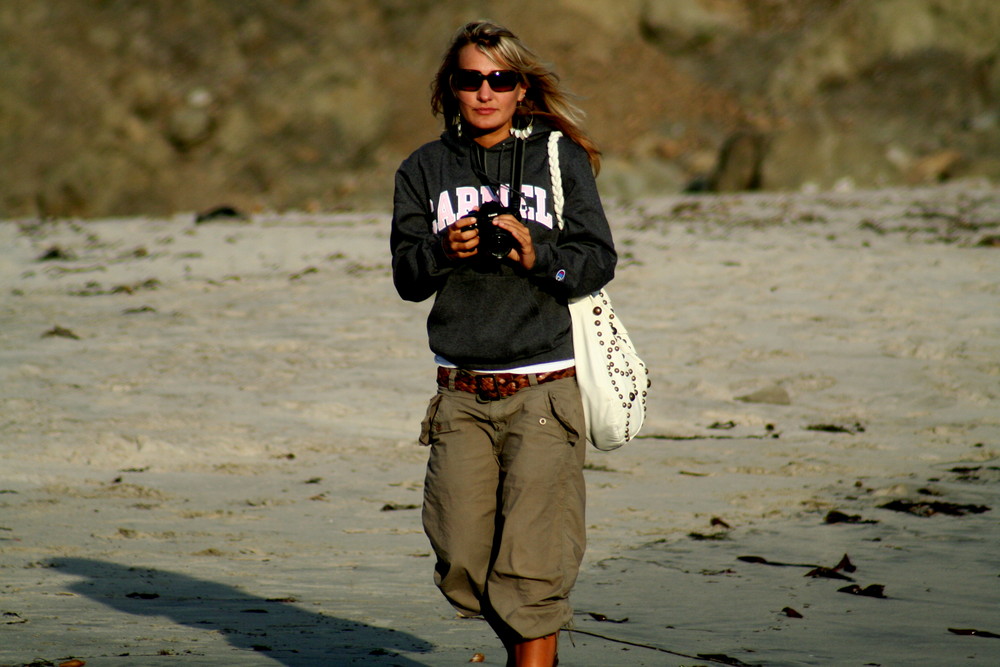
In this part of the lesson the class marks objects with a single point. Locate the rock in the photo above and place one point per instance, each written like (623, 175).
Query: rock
(816, 151)
(223, 213)
(934, 168)
(189, 126)
(860, 34)
(740, 163)
(682, 25)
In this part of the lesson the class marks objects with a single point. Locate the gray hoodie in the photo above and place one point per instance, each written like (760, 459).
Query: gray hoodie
(493, 314)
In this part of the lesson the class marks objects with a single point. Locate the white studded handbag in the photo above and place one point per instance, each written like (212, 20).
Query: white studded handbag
(613, 379)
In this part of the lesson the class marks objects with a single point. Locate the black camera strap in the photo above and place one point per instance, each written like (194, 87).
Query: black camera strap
(516, 173)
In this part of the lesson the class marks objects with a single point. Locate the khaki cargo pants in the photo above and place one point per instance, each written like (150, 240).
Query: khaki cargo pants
(504, 504)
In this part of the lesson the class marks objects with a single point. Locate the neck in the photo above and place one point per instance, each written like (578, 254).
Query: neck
(493, 137)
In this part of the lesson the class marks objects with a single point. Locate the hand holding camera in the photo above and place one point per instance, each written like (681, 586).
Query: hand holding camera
(493, 230)
(493, 239)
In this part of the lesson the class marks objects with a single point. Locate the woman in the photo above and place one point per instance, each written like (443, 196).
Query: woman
(504, 493)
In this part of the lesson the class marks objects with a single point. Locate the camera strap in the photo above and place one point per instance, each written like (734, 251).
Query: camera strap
(516, 173)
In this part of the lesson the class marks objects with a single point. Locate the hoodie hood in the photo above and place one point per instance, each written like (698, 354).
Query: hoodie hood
(539, 128)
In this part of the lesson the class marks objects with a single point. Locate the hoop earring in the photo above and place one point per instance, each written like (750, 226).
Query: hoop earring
(519, 128)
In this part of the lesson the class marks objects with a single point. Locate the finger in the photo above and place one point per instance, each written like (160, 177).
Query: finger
(512, 225)
(518, 229)
(462, 243)
(508, 218)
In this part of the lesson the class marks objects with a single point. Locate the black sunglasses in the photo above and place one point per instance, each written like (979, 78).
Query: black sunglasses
(501, 80)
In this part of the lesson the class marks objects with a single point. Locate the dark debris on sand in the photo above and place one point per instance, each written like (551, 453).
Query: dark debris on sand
(836, 516)
(871, 591)
(927, 508)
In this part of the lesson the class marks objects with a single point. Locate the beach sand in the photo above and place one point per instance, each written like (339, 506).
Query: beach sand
(208, 441)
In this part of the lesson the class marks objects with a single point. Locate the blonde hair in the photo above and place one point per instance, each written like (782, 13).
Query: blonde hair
(544, 97)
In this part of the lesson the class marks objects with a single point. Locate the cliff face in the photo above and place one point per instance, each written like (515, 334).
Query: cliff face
(124, 107)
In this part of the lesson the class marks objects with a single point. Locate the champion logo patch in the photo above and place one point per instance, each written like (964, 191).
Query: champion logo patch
(561, 275)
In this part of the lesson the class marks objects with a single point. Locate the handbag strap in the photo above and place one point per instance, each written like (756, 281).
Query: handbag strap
(555, 176)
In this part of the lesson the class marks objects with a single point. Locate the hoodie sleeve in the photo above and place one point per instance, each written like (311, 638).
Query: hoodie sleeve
(583, 258)
(419, 264)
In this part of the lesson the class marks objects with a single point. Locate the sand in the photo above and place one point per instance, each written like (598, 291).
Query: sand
(208, 441)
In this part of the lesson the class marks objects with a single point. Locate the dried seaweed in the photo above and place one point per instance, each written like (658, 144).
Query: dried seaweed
(605, 619)
(763, 561)
(143, 596)
(60, 332)
(970, 632)
(871, 591)
(836, 428)
(395, 507)
(927, 508)
(835, 516)
(723, 659)
(711, 657)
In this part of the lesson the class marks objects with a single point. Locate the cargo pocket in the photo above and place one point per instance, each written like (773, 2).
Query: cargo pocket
(426, 426)
(567, 408)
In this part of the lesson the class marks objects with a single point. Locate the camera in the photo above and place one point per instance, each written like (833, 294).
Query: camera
(493, 240)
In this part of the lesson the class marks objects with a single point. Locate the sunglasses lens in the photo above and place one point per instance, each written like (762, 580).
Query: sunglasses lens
(501, 81)
(467, 80)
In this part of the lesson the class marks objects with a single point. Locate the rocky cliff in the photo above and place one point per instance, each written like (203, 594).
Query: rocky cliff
(125, 107)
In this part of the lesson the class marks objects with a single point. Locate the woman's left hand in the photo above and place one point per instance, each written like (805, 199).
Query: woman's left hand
(524, 250)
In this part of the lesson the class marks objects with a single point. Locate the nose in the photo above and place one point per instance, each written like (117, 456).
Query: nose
(485, 93)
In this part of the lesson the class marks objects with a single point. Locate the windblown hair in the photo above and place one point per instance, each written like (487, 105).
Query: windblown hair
(544, 97)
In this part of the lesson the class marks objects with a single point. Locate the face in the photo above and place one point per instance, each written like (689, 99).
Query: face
(488, 112)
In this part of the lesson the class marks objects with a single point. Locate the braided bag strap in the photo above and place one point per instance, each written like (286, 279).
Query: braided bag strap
(555, 175)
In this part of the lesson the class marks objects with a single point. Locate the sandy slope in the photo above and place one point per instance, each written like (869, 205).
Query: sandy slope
(232, 429)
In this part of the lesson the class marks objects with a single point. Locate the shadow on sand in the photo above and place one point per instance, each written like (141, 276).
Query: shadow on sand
(279, 629)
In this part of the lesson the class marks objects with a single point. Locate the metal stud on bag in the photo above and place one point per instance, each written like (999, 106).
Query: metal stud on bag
(629, 373)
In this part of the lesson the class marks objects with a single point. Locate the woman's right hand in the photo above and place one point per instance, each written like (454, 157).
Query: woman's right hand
(458, 240)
